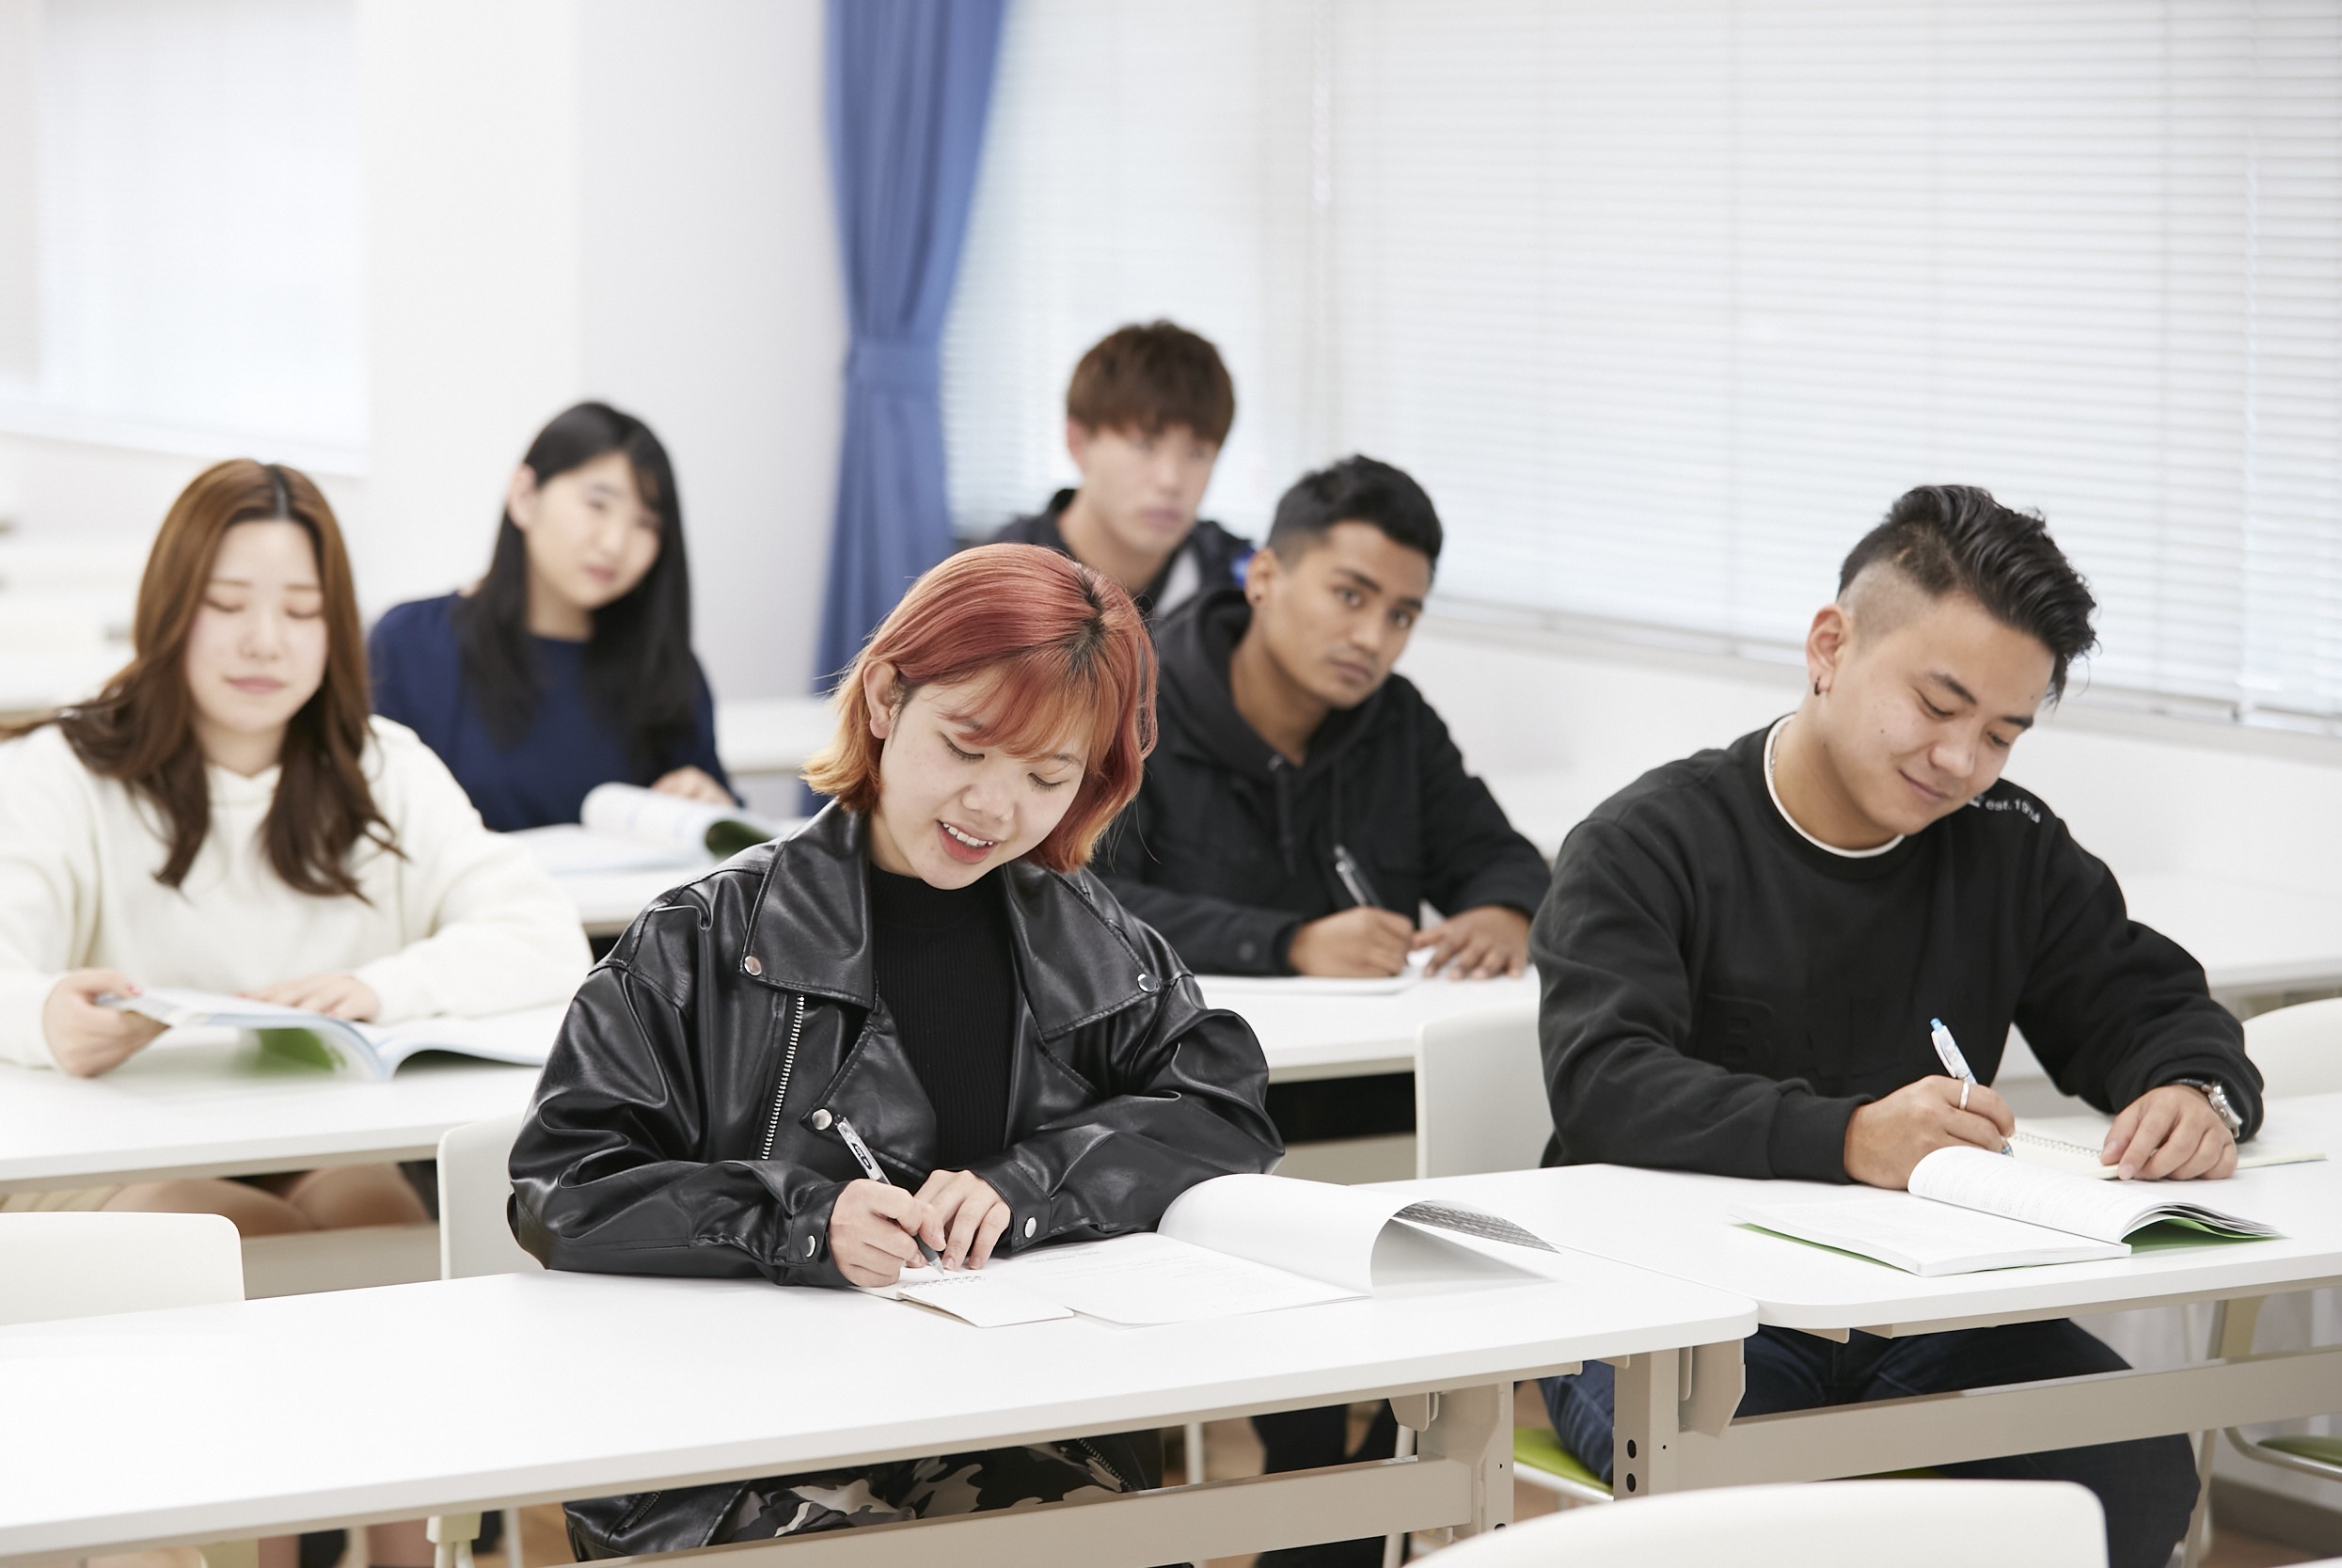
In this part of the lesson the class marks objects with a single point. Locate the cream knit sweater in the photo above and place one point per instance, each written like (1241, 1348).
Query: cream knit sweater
(464, 923)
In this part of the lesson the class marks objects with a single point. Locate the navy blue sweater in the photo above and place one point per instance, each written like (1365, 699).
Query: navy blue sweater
(418, 673)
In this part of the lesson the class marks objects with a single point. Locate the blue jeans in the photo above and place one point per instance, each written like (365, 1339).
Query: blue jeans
(2146, 1486)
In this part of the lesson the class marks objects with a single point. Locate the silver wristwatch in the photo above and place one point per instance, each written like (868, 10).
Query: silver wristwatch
(2217, 1092)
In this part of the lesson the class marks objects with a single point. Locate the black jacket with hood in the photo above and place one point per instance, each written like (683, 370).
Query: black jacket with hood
(1228, 848)
(686, 1123)
(1208, 559)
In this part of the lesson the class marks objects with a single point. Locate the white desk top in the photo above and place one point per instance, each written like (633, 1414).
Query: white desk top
(771, 735)
(609, 1385)
(2248, 939)
(212, 1110)
(1676, 1221)
(1306, 1033)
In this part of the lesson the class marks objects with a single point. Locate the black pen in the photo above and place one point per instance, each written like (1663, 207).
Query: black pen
(1353, 878)
(870, 1164)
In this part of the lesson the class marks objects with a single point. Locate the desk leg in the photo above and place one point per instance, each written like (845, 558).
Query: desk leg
(2233, 1326)
(1475, 1427)
(230, 1553)
(1661, 1397)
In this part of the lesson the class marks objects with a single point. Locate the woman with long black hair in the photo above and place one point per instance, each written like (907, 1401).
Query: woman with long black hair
(570, 664)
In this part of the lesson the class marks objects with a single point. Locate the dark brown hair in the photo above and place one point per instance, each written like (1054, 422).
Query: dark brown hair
(1056, 647)
(140, 728)
(1146, 377)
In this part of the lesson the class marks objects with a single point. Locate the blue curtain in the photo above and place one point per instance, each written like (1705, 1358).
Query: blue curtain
(909, 84)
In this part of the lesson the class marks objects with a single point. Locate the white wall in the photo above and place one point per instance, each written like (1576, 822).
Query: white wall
(614, 199)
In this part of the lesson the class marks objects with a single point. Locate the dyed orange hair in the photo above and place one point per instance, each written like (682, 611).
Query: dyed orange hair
(1060, 650)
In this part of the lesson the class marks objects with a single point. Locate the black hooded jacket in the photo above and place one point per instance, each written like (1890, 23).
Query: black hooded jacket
(1230, 849)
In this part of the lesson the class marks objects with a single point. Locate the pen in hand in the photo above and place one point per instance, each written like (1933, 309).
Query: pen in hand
(1948, 1052)
(870, 1164)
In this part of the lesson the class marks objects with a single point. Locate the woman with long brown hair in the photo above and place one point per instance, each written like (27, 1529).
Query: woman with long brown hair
(227, 815)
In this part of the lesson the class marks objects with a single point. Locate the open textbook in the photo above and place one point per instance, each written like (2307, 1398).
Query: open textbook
(687, 828)
(2071, 1143)
(1238, 1244)
(1972, 1211)
(372, 1051)
(1968, 1211)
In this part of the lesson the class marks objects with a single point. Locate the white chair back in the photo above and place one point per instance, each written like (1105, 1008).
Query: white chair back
(2298, 1048)
(84, 1265)
(475, 1178)
(1846, 1524)
(1480, 1093)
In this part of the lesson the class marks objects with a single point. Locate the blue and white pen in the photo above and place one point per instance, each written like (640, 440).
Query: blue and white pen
(1948, 1052)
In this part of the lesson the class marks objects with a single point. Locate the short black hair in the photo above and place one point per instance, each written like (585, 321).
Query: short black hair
(1355, 490)
(1955, 538)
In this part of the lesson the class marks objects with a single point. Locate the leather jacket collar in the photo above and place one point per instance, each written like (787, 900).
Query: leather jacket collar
(809, 930)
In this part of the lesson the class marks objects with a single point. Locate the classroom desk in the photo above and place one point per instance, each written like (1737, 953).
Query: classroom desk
(1673, 1410)
(1306, 1033)
(606, 1384)
(213, 1108)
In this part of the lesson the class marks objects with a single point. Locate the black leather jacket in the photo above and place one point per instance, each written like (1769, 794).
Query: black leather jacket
(685, 1124)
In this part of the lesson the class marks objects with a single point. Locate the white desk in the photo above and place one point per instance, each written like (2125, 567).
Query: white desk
(1308, 1034)
(1676, 1222)
(216, 1110)
(34, 680)
(608, 1384)
(771, 735)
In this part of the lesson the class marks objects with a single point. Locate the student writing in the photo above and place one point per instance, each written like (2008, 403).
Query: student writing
(1145, 414)
(1742, 953)
(1289, 746)
(927, 961)
(570, 664)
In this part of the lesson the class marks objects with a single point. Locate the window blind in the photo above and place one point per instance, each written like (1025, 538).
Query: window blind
(200, 243)
(1665, 300)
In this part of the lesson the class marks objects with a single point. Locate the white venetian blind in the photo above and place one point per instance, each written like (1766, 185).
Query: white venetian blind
(1665, 300)
(200, 215)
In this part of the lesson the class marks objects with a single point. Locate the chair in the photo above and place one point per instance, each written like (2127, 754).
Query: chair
(475, 1238)
(81, 1265)
(2298, 1051)
(1480, 1105)
(1847, 1523)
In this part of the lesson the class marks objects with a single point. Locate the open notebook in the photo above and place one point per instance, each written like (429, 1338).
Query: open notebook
(1239, 1244)
(669, 822)
(1968, 1211)
(372, 1051)
(2071, 1143)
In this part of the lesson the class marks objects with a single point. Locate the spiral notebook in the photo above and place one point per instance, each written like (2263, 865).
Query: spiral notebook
(2071, 1143)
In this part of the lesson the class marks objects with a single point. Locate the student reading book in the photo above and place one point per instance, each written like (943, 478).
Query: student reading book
(570, 663)
(225, 815)
(1743, 954)
(1145, 414)
(924, 973)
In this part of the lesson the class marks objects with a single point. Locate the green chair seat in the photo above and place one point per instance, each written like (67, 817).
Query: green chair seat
(1538, 1448)
(2322, 1450)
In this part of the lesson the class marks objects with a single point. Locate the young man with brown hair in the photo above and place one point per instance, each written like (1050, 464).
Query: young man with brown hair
(1146, 413)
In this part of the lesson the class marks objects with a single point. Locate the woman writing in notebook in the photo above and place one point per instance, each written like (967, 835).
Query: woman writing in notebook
(928, 964)
(570, 664)
(225, 817)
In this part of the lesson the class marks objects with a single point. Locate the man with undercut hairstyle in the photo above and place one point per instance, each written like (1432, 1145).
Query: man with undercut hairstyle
(1145, 414)
(1741, 954)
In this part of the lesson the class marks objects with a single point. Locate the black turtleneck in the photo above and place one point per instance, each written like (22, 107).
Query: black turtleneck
(943, 969)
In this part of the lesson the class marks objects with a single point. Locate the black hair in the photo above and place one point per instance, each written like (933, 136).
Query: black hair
(1355, 490)
(1955, 538)
(639, 670)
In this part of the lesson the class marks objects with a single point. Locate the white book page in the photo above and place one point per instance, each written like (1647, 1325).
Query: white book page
(2071, 1143)
(977, 1296)
(1310, 1227)
(524, 1038)
(1152, 1278)
(1997, 1184)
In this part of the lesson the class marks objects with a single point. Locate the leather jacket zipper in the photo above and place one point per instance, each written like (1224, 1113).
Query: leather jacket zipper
(788, 1065)
(1105, 1464)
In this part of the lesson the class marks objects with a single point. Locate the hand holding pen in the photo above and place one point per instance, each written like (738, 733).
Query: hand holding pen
(1948, 1052)
(1885, 1138)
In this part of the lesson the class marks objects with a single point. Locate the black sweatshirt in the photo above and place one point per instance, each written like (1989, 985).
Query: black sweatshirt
(1720, 994)
(941, 960)
(1210, 556)
(1228, 847)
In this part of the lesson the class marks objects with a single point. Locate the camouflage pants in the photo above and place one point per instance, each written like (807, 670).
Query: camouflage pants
(952, 1484)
